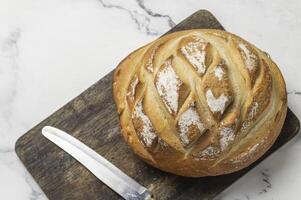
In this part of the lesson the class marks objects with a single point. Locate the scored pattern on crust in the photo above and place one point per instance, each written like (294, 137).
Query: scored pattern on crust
(143, 126)
(190, 126)
(168, 85)
(202, 99)
(250, 59)
(194, 51)
(215, 86)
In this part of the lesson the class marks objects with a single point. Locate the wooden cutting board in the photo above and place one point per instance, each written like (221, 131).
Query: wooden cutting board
(92, 118)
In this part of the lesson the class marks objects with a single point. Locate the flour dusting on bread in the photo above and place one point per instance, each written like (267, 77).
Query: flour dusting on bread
(147, 131)
(195, 53)
(226, 136)
(189, 118)
(168, 84)
(253, 111)
(216, 104)
(150, 60)
(219, 73)
(249, 57)
(132, 88)
(209, 152)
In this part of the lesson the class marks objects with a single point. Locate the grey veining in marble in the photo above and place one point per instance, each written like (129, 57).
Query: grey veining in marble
(146, 20)
(294, 92)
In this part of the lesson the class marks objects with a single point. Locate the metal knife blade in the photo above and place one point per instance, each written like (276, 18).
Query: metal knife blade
(105, 171)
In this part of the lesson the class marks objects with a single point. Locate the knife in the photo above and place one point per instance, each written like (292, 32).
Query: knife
(105, 171)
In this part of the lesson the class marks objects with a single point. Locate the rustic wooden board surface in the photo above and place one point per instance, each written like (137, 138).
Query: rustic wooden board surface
(92, 118)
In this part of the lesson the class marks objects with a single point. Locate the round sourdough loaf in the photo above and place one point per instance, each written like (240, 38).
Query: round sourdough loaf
(200, 102)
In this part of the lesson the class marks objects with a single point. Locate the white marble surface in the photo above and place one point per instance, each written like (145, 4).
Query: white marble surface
(51, 50)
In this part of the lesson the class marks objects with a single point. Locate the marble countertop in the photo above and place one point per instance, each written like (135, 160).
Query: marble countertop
(52, 50)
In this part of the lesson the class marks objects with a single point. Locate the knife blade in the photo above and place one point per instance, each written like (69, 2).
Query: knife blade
(105, 171)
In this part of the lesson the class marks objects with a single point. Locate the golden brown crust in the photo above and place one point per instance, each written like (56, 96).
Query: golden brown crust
(200, 102)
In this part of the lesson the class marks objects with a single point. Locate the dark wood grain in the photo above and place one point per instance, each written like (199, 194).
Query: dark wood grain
(92, 118)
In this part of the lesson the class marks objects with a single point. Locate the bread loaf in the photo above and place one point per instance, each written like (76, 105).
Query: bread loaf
(200, 102)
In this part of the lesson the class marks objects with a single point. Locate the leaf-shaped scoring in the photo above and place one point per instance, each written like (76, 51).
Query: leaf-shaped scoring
(216, 95)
